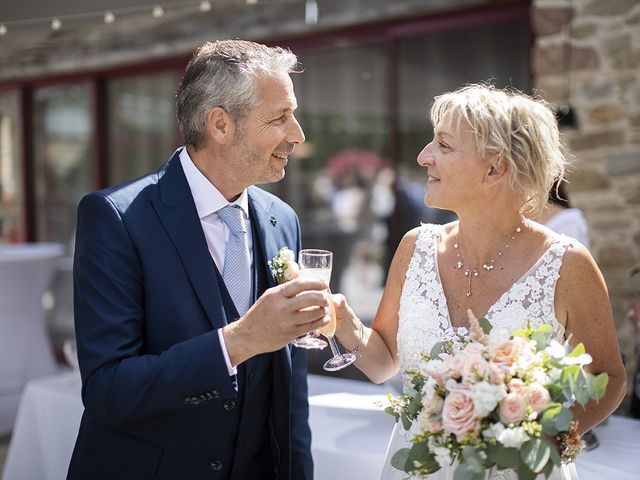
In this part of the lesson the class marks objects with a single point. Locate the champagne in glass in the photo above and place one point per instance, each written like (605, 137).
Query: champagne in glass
(316, 265)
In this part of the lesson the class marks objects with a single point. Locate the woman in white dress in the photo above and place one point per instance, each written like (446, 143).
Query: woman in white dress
(493, 157)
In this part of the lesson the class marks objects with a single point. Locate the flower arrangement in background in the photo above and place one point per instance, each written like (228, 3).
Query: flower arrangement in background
(495, 401)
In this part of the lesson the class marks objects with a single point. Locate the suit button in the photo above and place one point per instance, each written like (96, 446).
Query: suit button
(216, 465)
(215, 393)
(195, 401)
(229, 405)
(203, 397)
(187, 401)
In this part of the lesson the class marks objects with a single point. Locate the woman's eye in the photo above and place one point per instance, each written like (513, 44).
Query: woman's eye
(443, 145)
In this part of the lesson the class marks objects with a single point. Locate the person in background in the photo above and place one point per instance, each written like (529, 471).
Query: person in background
(182, 331)
(560, 217)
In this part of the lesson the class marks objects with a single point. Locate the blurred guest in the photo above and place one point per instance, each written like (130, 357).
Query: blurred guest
(560, 217)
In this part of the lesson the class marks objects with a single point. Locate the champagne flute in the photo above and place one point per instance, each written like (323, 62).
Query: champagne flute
(316, 265)
(339, 360)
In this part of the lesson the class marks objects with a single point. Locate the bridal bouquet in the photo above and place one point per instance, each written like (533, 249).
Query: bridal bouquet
(493, 400)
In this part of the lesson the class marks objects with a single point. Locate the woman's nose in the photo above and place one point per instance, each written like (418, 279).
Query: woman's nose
(425, 157)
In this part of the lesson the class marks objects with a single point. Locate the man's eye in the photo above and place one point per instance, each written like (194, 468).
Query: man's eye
(443, 145)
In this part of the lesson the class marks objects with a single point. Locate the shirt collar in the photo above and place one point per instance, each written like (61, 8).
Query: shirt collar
(206, 196)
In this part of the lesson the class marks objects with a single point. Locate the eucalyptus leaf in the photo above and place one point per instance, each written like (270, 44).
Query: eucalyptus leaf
(399, 459)
(502, 456)
(577, 351)
(485, 325)
(437, 349)
(471, 456)
(548, 418)
(391, 411)
(465, 472)
(598, 385)
(535, 454)
(563, 419)
(419, 452)
(406, 422)
(525, 473)
(554, 455)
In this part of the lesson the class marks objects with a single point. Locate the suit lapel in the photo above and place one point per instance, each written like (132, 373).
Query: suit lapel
(177, 211)
(269, 238)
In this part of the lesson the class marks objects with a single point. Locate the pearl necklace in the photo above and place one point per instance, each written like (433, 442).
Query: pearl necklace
(474, 272)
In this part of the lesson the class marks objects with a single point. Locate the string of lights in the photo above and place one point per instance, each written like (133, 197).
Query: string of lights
(156, 11)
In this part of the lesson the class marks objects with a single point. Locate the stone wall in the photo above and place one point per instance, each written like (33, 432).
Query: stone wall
(587, 53)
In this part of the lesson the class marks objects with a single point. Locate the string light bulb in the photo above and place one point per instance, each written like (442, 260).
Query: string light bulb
(109, 18)
(3, 29)
(56, 24)
(311, 12)
(252, 2)
(205, 6)
(157, 11)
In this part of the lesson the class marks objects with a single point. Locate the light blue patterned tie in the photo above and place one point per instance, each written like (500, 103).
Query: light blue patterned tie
(237, 269)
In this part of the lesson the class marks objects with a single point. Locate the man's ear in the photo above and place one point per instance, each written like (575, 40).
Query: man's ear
(497, 170)
(219, 125)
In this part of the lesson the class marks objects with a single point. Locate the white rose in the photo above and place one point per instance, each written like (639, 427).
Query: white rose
(513, 437)
(486, 397)
(443, 456)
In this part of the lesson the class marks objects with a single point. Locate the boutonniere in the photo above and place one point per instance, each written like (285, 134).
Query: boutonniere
(283, 265)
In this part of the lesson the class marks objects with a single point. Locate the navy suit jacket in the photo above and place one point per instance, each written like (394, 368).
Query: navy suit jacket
(155, 384)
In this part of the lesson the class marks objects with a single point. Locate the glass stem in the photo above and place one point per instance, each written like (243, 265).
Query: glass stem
(334, 346)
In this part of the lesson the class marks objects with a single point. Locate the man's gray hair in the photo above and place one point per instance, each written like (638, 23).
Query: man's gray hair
(223, 74)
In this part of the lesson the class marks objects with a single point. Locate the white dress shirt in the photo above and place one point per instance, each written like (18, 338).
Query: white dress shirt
(209, 201)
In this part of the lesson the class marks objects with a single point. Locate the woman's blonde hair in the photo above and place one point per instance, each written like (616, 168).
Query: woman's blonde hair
(519, 129)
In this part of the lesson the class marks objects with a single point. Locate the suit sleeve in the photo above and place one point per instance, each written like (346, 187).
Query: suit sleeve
(121, 380)
(301, 460)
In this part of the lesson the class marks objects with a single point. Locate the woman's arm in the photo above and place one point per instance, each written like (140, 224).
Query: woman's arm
(378, 352)
(582, 301)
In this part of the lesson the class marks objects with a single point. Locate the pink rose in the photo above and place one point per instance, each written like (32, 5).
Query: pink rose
(475, 368)
(456, 364)
(428, 424)
(513, 408)
(515, 385)
(506, 354)
(439, 371)
(457, 413)
(432, 402)
(494, 375)
(537, 396)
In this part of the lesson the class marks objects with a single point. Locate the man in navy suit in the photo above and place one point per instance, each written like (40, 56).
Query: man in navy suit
(178, 381)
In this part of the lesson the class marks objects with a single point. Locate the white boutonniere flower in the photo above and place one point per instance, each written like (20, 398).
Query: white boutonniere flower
(283, 265)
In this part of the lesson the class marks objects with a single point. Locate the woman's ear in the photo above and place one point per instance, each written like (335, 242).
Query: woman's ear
(219, 125)
(497, 170)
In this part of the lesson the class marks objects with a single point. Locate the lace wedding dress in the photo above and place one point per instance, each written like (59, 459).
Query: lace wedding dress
(424, 321)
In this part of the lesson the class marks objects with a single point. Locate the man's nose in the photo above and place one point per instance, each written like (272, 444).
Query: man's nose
(296, 135)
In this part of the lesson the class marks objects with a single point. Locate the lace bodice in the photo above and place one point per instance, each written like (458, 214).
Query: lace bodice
(424, 315)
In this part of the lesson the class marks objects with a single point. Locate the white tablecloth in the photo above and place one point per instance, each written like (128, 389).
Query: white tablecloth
(349, 429)
(25, 352)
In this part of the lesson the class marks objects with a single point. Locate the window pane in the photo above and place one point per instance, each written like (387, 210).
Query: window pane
(341, 184)
(11, 172)
(142, 124)
(64, 169)
(436, 63)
